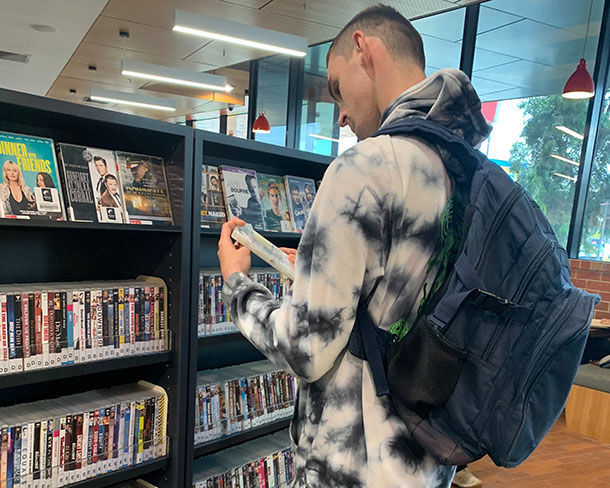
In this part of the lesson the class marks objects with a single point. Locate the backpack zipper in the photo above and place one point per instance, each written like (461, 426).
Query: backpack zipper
(533, 268)
(541, 371)
(506, 206)
(548, 335)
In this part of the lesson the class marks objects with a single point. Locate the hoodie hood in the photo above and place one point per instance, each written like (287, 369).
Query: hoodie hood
(446, 97)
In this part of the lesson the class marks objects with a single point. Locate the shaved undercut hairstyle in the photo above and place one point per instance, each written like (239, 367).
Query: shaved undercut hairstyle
(397, 34)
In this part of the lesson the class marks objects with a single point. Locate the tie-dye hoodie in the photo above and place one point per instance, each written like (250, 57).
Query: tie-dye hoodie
(375, 217)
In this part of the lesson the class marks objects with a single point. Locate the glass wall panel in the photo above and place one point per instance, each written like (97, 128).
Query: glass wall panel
(272, 98)
(525, 52)
(442, 36)
(595, 243)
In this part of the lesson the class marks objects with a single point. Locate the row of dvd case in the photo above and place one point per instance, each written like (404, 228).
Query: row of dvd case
(45, 325)
(266, 462)
(213, 316)
(57, 442)
(88, 185)
(269, 202)
(238, 398)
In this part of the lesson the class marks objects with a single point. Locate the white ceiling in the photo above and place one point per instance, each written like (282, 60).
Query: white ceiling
(83, 38)
(524, 48)
(49, 52)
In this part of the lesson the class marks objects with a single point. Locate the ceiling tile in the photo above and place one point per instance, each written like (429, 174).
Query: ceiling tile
(490, 19)
(49, 52)
(143, 38)
(537, 77)
(338, 12)
(108, 63)
(440, 53)
(160, 13)
(448, 25)
(62, 85)
(488, 59)
(221, 54)
(567, 14)
(533, 41)
(483, 86)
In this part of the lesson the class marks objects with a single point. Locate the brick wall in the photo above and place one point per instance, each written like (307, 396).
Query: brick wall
(593, 276)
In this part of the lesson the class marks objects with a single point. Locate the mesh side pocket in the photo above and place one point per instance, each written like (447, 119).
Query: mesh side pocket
(423, 369)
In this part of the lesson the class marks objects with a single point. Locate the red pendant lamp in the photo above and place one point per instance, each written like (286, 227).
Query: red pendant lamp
(261, 125)
(580, 85)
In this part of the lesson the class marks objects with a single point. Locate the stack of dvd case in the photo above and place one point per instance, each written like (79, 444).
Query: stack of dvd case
(45, 325)
(57, 442)
(266, 462)
(213, 316)
(238, 398)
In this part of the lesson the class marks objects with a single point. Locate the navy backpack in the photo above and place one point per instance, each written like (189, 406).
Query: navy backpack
(487, 366)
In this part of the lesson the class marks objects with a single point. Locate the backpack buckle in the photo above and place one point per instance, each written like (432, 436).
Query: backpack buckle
(489, 301)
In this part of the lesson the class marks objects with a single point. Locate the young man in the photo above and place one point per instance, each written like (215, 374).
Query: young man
(371, 232)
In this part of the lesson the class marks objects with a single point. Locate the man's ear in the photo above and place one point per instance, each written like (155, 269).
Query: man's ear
(363, 51)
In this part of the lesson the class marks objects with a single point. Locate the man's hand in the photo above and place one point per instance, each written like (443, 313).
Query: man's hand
(291, 253)
(233, 256)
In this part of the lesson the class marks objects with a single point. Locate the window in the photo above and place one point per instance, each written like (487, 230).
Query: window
(319, 133)
(525, 52)
(442, 36)
(595, 242)
(272, 98)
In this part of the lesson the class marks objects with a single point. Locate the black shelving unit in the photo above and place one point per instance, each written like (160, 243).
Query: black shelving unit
(38, 251)
(235, 439)
(231, 349)
(131, 473)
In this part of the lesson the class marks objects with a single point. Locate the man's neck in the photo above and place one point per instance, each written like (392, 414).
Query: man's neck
(389, 89)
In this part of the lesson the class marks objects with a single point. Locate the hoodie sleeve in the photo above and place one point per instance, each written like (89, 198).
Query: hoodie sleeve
(341, 253)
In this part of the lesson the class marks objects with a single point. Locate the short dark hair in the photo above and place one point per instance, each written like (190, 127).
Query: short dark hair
(99, 158)
(395, 31)
(110, 177)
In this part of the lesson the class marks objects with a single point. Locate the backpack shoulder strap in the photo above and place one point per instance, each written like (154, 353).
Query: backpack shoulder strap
(465, 158)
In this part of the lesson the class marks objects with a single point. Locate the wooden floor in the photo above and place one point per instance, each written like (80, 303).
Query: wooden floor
(563, 460)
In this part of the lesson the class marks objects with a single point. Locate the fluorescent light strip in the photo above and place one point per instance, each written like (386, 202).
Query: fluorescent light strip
(561, 158)
(570, 132)
(135, 104)
(565, 176)
(132, 99)
(174, 75)
(237, 40)
(239, 33)
(147, 76)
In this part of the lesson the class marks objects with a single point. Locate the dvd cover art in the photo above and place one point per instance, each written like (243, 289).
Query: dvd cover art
(145, 188)
(242, 198)
(276, 213)
(92, 188)
(30, 187)
(213, 213)
(301, 193)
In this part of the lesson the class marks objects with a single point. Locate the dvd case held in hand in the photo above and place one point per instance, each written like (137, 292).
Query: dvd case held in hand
(264, 249)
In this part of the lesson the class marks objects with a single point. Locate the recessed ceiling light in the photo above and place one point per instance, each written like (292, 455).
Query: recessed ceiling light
(237, 33)
(43, 28)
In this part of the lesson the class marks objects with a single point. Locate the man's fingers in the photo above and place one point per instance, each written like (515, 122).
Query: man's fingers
(228, 227)
(288, 250)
